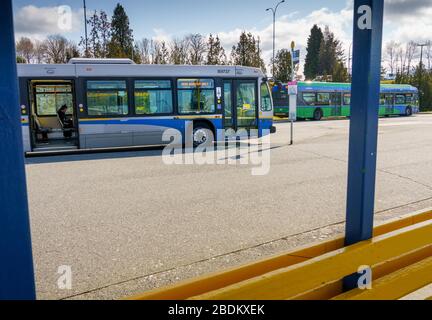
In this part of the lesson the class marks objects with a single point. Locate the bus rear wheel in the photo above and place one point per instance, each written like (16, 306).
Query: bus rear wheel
(202, 134)
(408, 112)
(318, 115)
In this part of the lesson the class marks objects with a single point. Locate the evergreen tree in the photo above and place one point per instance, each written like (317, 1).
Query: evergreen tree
(20, 59)
(121, 44)
(136, 55)
(215, 52)
(311, 69)
(104, 33)
(247, 52)
(331, 57)
(340, 73)
(72, 51)
(421, 79)
(99, 36)
(283, 70)
(93, 41)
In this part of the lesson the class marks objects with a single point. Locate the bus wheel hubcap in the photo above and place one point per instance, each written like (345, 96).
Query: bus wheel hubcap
(200, 136)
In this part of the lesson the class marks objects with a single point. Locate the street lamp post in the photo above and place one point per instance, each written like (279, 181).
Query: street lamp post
(274, 11)
(85, 28)
(421, 52)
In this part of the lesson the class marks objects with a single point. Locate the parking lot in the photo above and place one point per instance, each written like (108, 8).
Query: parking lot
(127, 222)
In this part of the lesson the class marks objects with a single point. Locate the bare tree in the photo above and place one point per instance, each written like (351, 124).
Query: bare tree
(179, 51)
(391, 50)
(410, 51)
(145, 50)
(399, 58)
(197, 49)
(60, 50)
(40, 51)
(56, 49)
(25, 48)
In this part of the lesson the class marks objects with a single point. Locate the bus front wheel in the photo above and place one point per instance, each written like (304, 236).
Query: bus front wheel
(408, 112)
(318, 115)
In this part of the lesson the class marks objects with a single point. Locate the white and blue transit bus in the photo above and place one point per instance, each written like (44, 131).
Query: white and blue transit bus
(318, 100)
(114, 103)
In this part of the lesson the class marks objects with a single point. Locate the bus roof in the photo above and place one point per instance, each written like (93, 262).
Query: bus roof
(100, 61)
(81, 69)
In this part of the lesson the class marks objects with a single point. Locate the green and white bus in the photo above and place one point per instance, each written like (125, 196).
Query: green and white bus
(318, 100)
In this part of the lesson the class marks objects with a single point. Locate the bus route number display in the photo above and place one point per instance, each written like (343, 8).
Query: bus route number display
(196, 84)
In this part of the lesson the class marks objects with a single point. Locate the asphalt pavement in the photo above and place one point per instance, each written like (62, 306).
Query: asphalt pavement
(128, 222)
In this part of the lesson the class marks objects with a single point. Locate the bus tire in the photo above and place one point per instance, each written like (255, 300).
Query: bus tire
(408, 112)
(318, 115)
(202, 134)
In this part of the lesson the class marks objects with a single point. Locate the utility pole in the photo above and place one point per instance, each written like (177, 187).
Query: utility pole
(421, 53)
(274, 11)
(85, 28)
(292, 61)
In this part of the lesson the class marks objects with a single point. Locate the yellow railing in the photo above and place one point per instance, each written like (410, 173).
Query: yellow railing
(399, 256)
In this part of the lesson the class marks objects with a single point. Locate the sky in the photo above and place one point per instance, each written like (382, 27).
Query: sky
(405, 20)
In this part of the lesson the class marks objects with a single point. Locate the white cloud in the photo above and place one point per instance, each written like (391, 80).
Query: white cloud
(161, 35)
(39, 22)
(404, 21)
(413, 25)
(289, 28)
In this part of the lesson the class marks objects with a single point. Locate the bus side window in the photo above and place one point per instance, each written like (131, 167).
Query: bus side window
(153, 97)
(409, 99)
(309, 99)
(382, 99)
(196, 96)
(107, 98)
(347, 99)
(323, 99)
(400, 99)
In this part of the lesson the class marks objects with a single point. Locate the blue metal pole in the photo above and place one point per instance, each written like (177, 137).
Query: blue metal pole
(367, 43)
(16, 261)
(368, 25)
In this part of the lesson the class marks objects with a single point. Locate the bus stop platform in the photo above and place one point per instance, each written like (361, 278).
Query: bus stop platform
(399, 257)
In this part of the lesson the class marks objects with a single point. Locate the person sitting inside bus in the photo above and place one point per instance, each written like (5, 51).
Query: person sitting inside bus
(66, 122)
